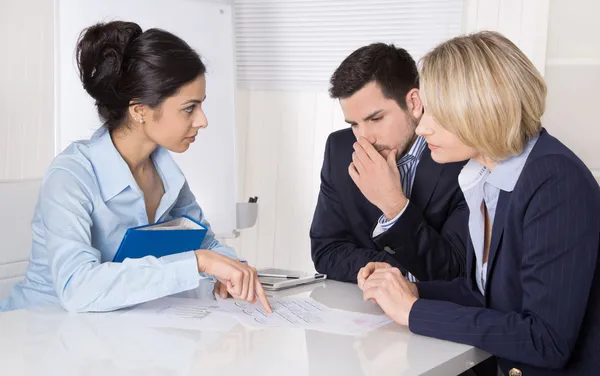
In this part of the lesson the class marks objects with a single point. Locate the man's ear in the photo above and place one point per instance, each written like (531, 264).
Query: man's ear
(414, 104)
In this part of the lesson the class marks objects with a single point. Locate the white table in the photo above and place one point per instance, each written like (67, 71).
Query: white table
(49, 341)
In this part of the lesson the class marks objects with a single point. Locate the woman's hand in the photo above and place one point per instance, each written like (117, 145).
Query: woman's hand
(368, 269)
(240, 279)
(221, 290)
(391, 291)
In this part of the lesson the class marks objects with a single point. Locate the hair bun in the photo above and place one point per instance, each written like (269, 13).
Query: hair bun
(100, 55)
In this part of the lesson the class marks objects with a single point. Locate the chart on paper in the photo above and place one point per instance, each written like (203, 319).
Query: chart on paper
(303, 313)
(181, 313)
(184, 312)
(285, 312)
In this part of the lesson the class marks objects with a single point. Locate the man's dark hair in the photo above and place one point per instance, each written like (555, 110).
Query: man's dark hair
(391, 68)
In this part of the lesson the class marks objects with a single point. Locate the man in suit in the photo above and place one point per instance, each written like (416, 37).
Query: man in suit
(382, 197)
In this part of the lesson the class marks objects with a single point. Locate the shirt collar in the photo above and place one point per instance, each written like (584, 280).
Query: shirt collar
(114, 175)
(415, 152)
(471, 174)
(504, 176)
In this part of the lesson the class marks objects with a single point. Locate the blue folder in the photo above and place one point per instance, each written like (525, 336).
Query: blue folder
(161, 239)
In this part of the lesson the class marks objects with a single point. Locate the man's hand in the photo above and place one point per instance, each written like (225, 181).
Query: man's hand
(392, 292)
(377, 178)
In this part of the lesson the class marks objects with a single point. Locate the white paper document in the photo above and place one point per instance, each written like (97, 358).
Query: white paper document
(303, 313)
(181, 313)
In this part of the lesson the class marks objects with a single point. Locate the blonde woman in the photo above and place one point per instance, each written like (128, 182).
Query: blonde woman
(532, 292)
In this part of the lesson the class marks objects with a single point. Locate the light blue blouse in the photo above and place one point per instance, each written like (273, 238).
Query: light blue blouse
(88, 200)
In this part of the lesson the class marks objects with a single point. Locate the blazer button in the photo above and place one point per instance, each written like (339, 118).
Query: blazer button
(515, 372)
(389, 250)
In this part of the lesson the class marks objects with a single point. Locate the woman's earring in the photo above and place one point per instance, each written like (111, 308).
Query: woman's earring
(141, 121)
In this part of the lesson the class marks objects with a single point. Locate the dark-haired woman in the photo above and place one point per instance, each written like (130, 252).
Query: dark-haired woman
(149, 88)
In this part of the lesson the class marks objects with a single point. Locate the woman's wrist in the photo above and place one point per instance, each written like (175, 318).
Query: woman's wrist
(201, 260)
(411, 303)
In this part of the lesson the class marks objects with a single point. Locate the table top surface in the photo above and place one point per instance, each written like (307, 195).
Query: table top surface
(50, 341)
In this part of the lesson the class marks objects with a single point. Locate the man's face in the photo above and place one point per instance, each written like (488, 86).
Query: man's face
(379, 119)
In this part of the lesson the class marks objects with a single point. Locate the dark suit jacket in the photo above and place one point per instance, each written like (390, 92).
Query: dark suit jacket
(429, 239)
(541, 311)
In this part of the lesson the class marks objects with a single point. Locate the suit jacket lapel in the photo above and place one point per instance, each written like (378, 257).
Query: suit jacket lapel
(470, 265)
(497, 231)
(428, 174)
(471, 278)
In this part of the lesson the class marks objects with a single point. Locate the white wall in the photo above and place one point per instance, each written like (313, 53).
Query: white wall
(525, 22)
(573, 77)
(282, 139)
(26, 88)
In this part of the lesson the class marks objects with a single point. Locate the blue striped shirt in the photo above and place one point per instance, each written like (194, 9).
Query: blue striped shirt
(407, 165)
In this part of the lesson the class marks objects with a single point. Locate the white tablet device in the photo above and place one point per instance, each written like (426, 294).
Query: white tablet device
(277, 279)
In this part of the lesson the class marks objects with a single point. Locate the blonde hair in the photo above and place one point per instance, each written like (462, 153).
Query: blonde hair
(483, 89)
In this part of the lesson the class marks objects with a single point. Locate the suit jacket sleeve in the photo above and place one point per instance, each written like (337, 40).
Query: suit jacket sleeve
(425, 252)
(559, 257)
(456, 291)
(333, 247)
